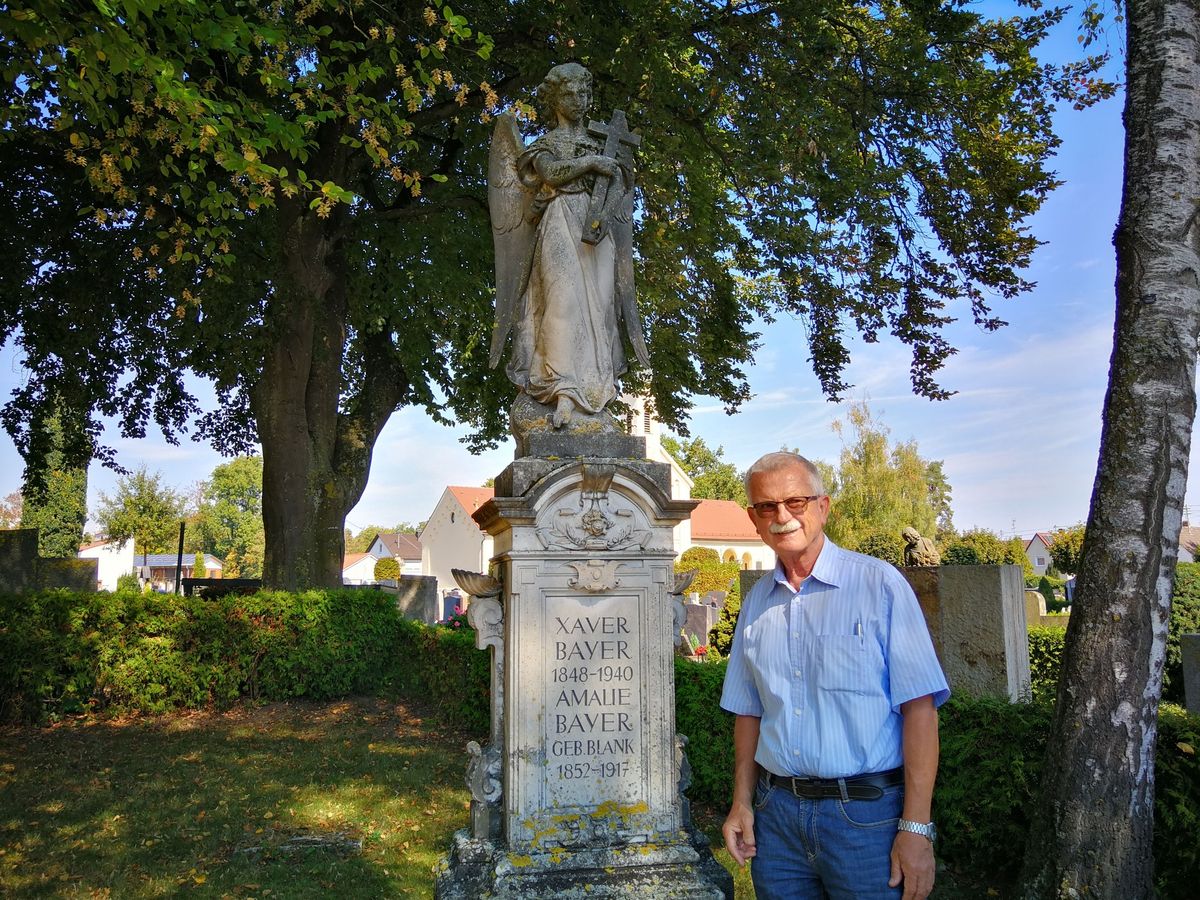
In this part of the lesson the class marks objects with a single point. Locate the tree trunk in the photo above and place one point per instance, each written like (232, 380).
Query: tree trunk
(317, 433)
(1093, 837)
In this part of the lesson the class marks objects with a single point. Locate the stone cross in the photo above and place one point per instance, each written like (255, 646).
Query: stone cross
(615, 133)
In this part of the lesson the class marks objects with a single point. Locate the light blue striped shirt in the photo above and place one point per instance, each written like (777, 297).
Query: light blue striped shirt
(827, 667)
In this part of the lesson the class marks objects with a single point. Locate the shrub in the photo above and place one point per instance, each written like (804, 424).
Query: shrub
(1185, 619)
(387, 569)
(709, 730)
(988, 779)
(885, 544)
(1045, 660)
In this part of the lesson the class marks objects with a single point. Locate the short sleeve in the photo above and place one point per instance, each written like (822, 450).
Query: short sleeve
(913, 667)
(739, 695)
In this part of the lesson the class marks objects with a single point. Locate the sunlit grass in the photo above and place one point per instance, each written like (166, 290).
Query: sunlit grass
(206, 804)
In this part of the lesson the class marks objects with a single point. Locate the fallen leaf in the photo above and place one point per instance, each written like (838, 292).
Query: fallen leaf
(1186, 748)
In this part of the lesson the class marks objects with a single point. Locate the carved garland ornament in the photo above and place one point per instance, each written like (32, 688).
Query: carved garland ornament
(594, 524)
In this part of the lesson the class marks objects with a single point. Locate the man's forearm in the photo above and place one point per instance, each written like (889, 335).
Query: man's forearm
(745, 769)
(920, 748)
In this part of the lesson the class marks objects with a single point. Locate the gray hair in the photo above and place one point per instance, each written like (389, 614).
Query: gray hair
(785, 459)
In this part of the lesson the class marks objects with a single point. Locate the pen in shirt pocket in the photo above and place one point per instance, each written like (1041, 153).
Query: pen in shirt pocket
(858, 629)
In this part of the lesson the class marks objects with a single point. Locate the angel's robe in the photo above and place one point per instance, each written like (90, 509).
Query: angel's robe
(567, 344)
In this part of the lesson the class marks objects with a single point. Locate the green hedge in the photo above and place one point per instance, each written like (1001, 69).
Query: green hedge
(62, 653)
(1045, 660)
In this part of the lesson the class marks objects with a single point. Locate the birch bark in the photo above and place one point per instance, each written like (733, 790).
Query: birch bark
(1094, 835)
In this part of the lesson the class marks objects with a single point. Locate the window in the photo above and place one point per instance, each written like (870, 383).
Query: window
(1041, 560)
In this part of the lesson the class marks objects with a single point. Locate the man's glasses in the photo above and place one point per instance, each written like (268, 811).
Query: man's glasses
(795, 505)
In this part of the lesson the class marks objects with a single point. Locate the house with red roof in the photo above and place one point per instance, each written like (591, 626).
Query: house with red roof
(358, 568)
(724, 526)
(1037, 548)
(451, 538)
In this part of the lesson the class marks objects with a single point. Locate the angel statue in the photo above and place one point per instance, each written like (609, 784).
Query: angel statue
(562, 220)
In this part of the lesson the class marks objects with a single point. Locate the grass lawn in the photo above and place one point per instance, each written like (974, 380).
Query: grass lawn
(220, 804)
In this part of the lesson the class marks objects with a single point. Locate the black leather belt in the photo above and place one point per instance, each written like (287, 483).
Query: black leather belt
(860, 787)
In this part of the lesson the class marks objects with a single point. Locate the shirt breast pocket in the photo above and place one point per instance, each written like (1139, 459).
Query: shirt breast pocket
(848, 663)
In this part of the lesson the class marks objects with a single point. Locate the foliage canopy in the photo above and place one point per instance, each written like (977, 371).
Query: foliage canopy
(288, 199)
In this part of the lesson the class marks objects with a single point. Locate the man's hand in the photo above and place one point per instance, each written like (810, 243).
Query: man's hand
(738, 831)
(912, 863)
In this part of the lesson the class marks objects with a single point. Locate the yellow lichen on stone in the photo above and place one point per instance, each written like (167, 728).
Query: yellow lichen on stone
(520, 861)
(613, 808)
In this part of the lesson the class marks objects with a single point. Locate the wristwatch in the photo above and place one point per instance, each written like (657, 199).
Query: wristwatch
(928, 829)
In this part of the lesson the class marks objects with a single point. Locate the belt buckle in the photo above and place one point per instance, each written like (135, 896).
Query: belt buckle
(794, 785)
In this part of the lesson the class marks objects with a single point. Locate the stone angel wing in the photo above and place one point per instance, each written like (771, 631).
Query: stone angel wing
(626, 297)
(512, 232)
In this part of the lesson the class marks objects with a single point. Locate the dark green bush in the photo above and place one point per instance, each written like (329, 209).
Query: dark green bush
(1185, 619)
(988, 777)
(442, 665)
(1045, 660)
(127, 651)
(882, 543)
(709, 729)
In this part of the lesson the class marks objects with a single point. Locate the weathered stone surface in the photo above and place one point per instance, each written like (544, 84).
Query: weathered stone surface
(682, 870)
(1189, 646)
(22, 569)
(417, 598)
(585, 745)
(976, 617)
(562, 223)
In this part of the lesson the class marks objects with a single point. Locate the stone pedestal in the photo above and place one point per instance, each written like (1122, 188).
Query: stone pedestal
(580, 792)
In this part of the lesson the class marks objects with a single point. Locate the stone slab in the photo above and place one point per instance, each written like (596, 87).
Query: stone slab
(549, 445)
(1189, 647)
(417, 598)
(976, 617)
(22, 569)
(683, 870)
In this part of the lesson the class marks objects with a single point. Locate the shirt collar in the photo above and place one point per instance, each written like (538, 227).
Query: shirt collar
(825, 569)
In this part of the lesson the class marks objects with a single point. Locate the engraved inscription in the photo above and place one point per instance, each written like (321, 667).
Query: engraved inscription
(593, 702)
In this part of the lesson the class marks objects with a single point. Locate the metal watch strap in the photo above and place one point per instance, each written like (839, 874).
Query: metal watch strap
(927, 830)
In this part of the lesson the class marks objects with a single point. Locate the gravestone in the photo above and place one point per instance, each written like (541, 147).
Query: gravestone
(417, 598)
(22, 569)
(1189, 648)
(976, 617)
(702, 615)
(580, 792)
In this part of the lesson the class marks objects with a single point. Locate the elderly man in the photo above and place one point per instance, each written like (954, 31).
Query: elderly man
(835, 686)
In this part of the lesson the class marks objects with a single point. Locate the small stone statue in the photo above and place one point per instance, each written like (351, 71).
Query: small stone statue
(562, 221)
(919, 551)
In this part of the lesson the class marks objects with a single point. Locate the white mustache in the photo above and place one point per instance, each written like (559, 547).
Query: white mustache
(786, 528)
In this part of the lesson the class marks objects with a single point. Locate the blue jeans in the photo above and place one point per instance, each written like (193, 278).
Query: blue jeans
(812, 849)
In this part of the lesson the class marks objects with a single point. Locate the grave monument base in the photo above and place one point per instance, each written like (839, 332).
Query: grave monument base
(682, 870)
(580, 791)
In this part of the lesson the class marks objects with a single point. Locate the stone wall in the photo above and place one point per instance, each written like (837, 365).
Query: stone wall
(22, 570)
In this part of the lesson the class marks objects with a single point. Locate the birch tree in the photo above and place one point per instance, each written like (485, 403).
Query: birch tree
(1093, 838)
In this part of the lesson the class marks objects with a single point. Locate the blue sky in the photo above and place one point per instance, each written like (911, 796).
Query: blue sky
(1019, 439)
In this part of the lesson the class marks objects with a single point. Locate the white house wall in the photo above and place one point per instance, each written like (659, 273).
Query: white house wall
(113, 561)
(452, 540)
